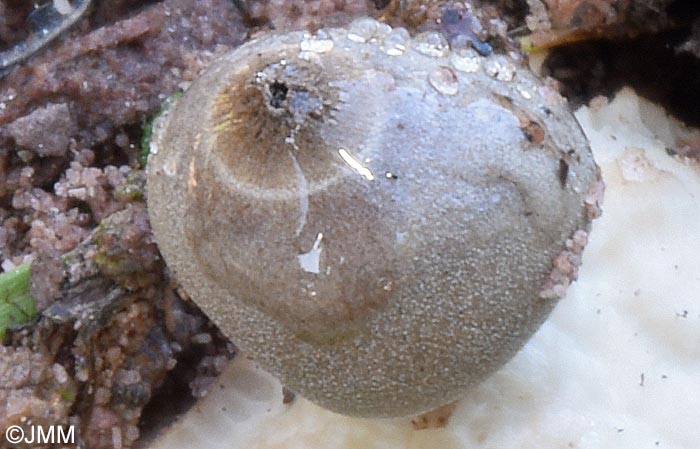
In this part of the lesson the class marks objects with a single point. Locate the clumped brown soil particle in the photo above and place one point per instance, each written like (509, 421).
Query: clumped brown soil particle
(12, 21)
(113, 341)
(70, 120)
(586, 15)
(100, 86)
(475, 20)
(34, 387)
(301, 14)
(121, 72)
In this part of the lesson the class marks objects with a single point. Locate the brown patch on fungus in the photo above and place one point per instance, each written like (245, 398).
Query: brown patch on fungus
(434, 419)
(594, 200)
(565, 267)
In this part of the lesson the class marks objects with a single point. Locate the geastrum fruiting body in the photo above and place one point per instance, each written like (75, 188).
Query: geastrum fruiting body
(379, 221)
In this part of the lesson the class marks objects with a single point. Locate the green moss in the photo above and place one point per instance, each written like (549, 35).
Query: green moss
(67, 395)
(108, 265)
(527, 45)
(16, 304)
(100, 259)
(133, 189)
(147, 129)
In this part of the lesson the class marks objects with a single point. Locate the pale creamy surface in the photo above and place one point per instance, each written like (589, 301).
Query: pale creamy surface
(617, 365)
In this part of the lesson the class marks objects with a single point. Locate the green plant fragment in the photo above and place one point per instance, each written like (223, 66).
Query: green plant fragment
(16, 303)
(147, 129)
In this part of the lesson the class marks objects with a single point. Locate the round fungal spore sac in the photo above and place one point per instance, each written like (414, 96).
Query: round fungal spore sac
(379, 230)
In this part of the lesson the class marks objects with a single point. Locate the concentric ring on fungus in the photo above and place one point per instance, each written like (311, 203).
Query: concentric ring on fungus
(379, 221)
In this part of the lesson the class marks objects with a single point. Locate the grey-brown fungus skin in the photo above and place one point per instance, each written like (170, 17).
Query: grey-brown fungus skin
(373, 217)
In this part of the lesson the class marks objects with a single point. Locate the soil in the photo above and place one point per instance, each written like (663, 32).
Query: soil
(117, 349)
